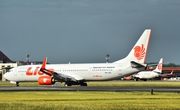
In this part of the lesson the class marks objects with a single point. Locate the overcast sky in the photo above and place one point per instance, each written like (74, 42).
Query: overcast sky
(84, 31)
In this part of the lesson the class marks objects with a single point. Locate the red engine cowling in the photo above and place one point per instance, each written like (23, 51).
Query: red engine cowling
(46, 80)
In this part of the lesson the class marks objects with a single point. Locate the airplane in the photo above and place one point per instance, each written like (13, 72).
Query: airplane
(80, 74)
(144, 75)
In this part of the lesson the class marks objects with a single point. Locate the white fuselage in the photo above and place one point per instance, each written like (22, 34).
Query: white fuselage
(146, 75)
(90, 72)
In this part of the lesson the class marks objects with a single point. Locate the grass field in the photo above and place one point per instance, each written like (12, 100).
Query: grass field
(92, 100)
(88, 101)
(108, 83)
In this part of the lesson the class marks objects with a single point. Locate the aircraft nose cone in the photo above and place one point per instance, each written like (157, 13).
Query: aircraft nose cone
(5, 76)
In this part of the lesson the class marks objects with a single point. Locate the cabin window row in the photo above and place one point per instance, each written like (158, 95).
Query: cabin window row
(102, 70)
(70, 70)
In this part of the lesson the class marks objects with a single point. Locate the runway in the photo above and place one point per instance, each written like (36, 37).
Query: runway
(89, 88)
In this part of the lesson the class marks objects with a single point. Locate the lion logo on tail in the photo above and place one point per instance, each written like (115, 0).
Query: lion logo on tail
(160, 66)
(139, 52)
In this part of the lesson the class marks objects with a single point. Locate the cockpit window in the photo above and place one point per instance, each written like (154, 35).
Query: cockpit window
(11, 70)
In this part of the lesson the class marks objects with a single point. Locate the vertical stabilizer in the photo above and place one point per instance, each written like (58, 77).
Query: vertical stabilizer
(140, 49)
(159, 66)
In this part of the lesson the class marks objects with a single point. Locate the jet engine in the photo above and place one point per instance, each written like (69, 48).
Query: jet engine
(46, 80)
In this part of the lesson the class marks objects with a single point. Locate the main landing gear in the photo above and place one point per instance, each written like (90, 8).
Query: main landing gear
(83, 84)
(136, 79)
(67, 84)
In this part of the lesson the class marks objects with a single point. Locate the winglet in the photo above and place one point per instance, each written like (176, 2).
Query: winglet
(44, 70)
(44, 63)
(172, 72)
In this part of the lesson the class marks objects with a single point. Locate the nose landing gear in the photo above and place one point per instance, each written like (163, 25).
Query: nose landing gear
(17, 84)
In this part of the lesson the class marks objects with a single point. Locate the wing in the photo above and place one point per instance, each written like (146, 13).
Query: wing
(60, 76)
(65, 77)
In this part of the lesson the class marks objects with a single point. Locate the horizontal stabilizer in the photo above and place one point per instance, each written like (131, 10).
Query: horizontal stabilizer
(137, 65)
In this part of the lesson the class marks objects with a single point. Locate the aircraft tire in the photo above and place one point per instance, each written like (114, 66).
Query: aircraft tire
(67, 84)
(83, 84)
(17, 84)
(53, 81)
(136, 79)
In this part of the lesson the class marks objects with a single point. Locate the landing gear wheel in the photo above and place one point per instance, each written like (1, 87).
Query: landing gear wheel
(136, 79)
(83, 84)
(53, 81)
(17, 84)
(67, 84)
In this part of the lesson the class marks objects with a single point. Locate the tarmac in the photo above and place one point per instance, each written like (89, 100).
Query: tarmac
(89, 88)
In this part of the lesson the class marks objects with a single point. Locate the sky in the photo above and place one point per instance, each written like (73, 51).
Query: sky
(84, 31)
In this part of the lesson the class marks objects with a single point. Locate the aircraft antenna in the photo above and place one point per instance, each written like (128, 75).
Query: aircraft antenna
(107, 58)
(27, 58)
